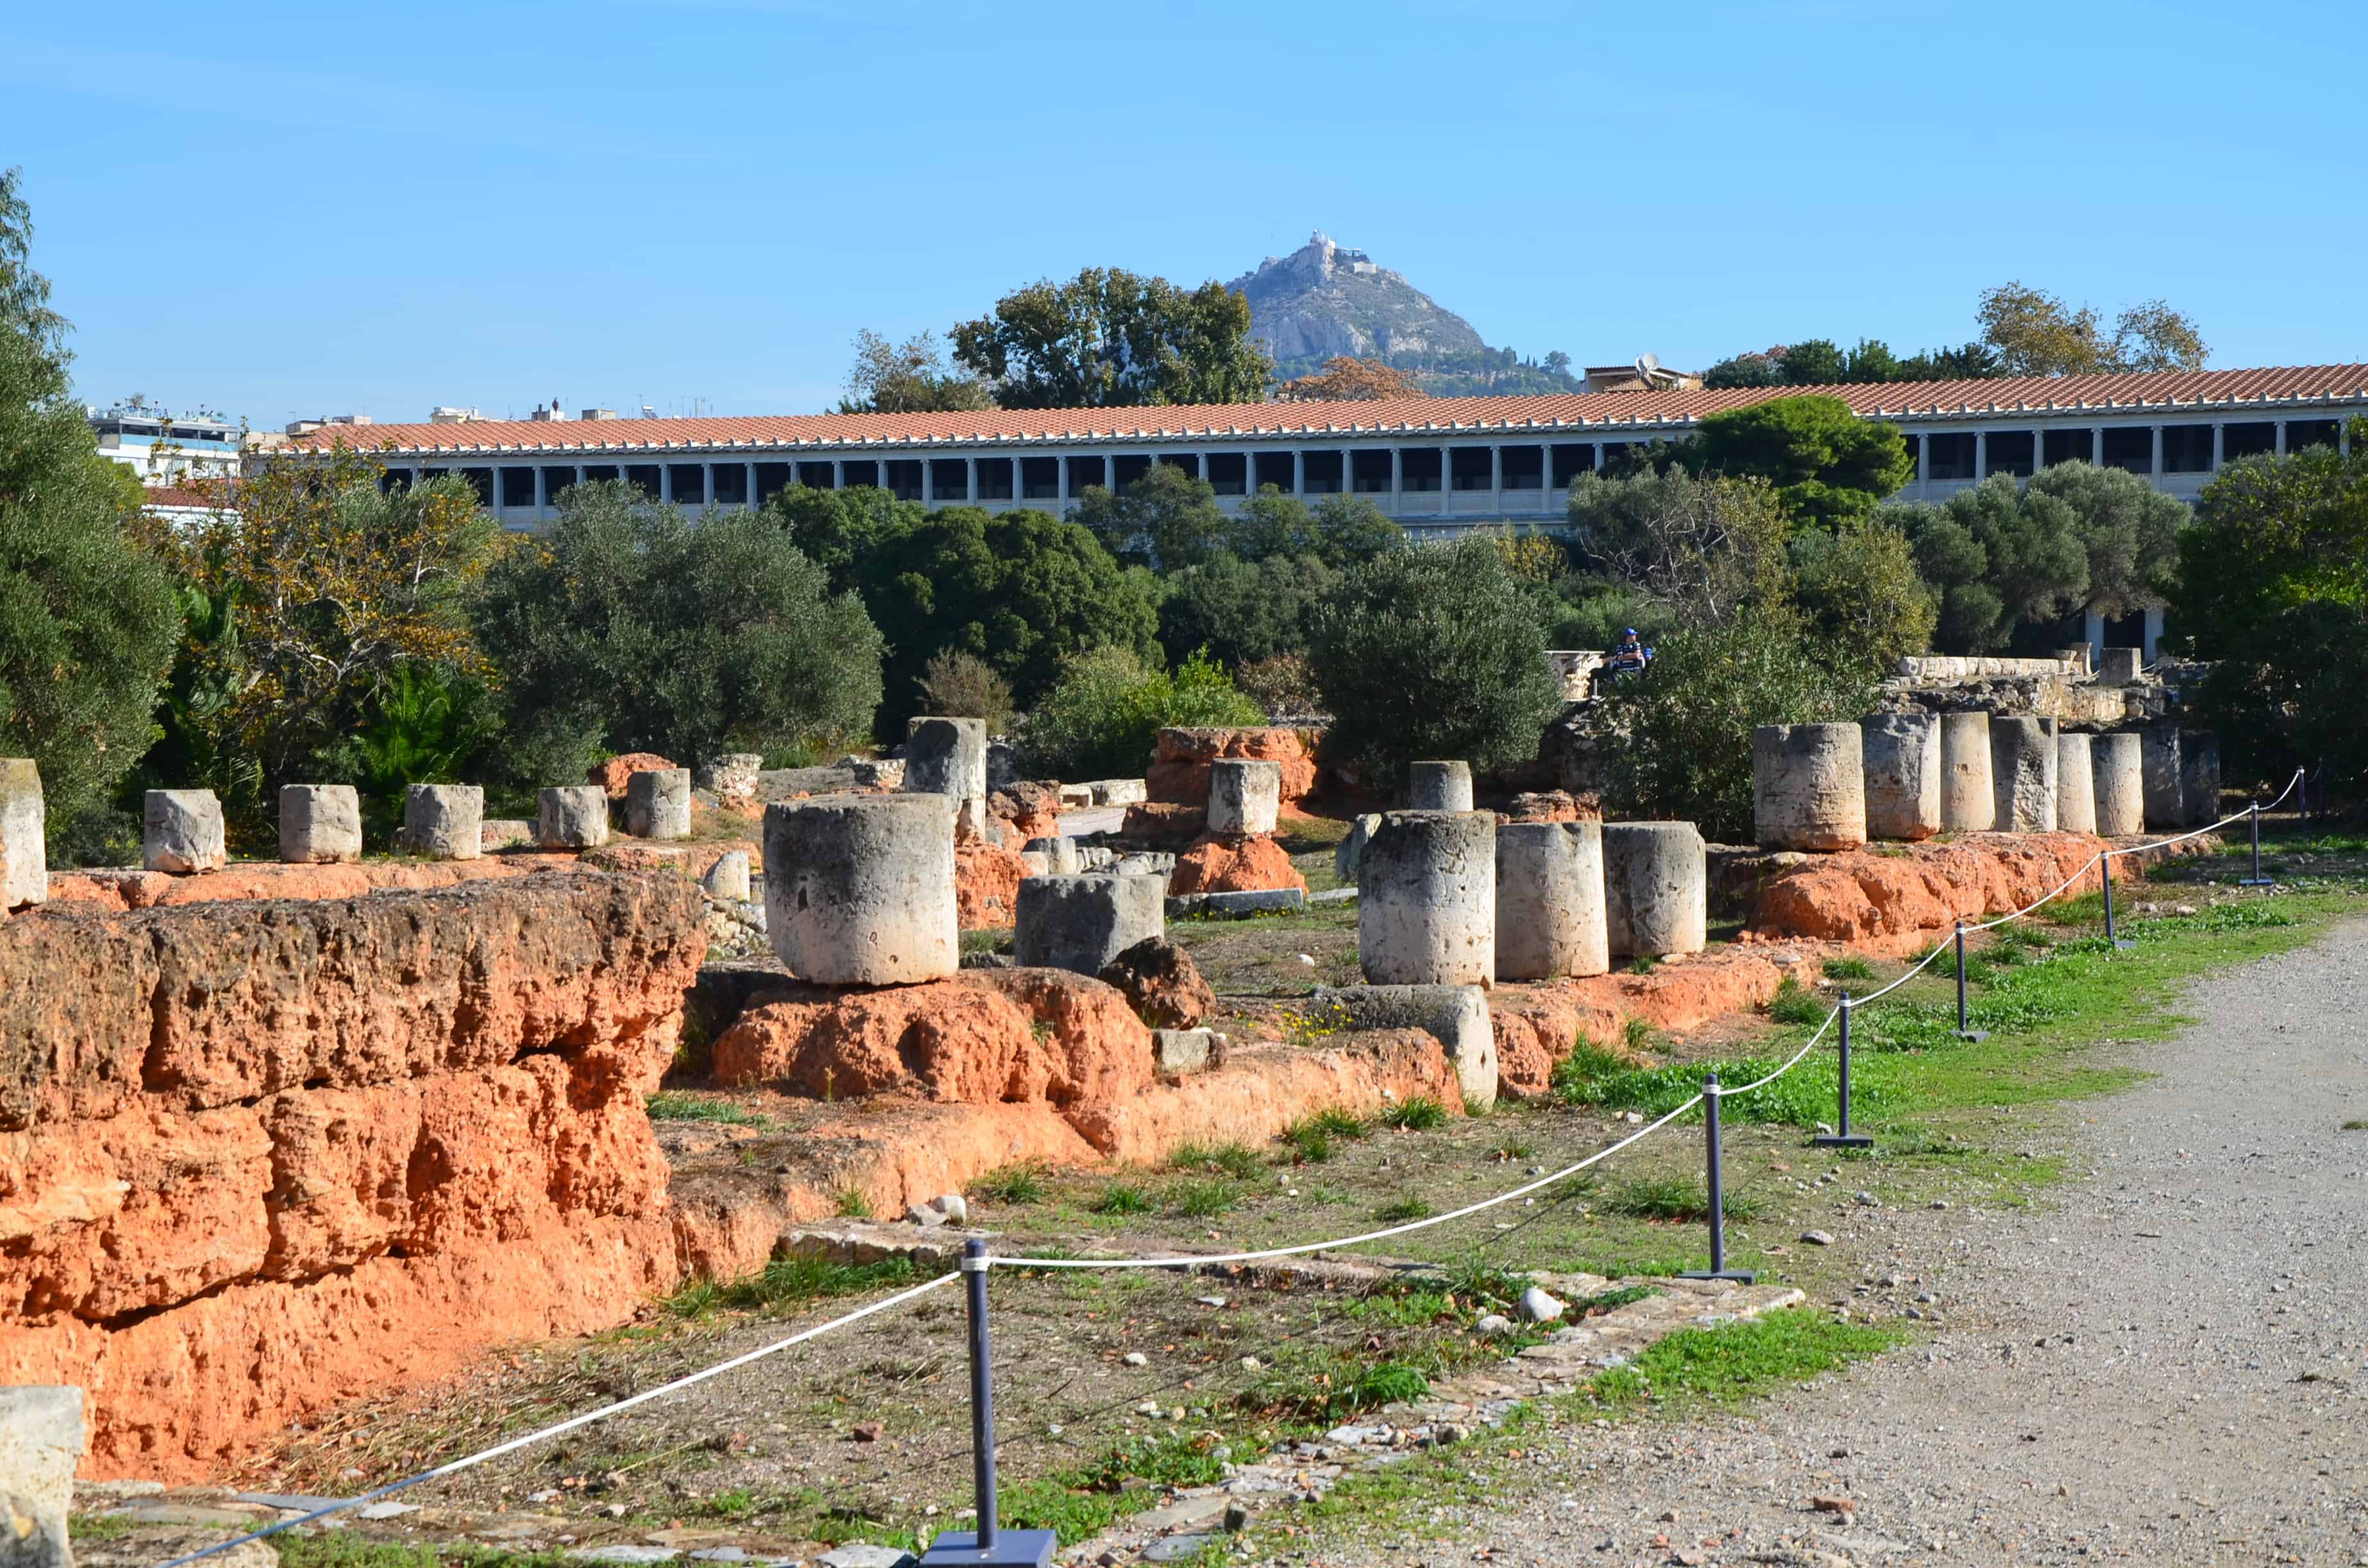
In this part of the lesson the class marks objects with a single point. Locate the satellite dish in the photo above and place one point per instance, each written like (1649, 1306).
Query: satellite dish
(1646, 364)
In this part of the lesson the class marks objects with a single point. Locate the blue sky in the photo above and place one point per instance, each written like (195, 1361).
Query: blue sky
(282, 210)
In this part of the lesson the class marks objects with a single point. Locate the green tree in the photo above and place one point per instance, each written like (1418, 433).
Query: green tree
(1757, 369)
(1022, 590)
(908, 378)
(1815, 362)
(1098, 719)
(1828, 464)
(1685, 726)
(626, 628)
(2036, 333)
(1339, 531)
(2271, 585)
(1111, 338)
(1872, 361)
(87, 620)
(2001, 557)
(1966, 362)
(960, 685)
(2129, 529)
(1242, 612)
(1697, 547)
(1860, 590)
(1165, 518)
(1436, 652)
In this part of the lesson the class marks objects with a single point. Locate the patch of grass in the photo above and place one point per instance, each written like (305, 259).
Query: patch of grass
(338, 1549)
(1675, 1199)
(1311, 1137)
(1644, 963)
(1123, 1197)
(1398, 1211)
(1637, 1037)
(1794, 1004)
(2357, 1124)
(1605, 1301)
(1203, 1199)
(1233, 1159)
(1022, 1183)
(1513, 1148)
(1320, 1386)
(1718, 1367)
(1084, 1502)
(669, 1105)
(1849, 966)
(787, 1283)
(1419, 1113)
(853, 1205)
(96, 1527)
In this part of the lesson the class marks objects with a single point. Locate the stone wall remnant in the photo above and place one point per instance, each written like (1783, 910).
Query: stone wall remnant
(24, 851)
(320, 824)
(1968, 803)
(731, 775)
(1899, 757)
(1244, 795)
(2120, 666)
(2076, 783)
(1807, 786)
(1427, 904)
(1656, 888)
(573, 817)
(1456, 1016)
(658, 803)
(2117, 770)
(2022, 774)
(860, 888)
(1081, 923)
(1438, 786)
(443, 822)
(181, 832)
(1550, 918)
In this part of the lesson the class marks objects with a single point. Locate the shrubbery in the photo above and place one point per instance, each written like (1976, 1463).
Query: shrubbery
(1098, 720)
(1433, 652)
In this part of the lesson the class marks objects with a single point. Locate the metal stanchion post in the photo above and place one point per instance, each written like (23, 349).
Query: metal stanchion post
(2256, 880)
(1842, 1137)
(1964, 1031)
(1718, 1268)
(987, 1547)
(2105, 875)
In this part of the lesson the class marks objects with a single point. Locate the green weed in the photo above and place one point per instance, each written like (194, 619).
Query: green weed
(1849, 966)
(1233, 1159)
(671, 1107)
(1022, 1183)
(1795, 1005)
(1419, 1113)
(853, 1205)
(790, 1282)
(1203, 1199)
(1676, 1198)
(1401, 1210)
(1122, 1197)
(1722, 1367)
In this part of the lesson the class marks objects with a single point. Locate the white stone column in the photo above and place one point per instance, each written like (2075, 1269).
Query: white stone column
(2153, 631)
(1446, 481)
(541, 500)
(1496, 481)
(970, 467)
(1397, 479)
(838, 473)
(2157, 452)
(2219, 444)
(666, 483)
(1299, 474)
(2096, 446)
(2092, 627)
(1981, 455)
(1061, 480)
(1923, 462)
(748, 494)
(928, 483)
(2282, 437)
(707, 482)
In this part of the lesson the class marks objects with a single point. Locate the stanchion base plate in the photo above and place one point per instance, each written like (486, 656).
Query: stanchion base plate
(2124, 947)
(2256, 881)
(1842, 1141)
(1971, 1034)
(1012, 1548)
(1739, 1276)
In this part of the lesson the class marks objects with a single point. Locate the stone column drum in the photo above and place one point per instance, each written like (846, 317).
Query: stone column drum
(1549, 900)
(2199, 776)
(41, 1444)
(1438, 786)
(1656, 888)
(1081, 923)
(2022, 774)
(1456, 1016)
(2166, 803)
(658, 803)
(2076, 783)
(2118, 774)
(1899, 757)
(24, 844)
(181, 831)
(1967, 802)
(2119, 666)
(320, 824)
(444, 822)
(572, 816)
(1807, 787)
(1426, 899)
(860, 888)
(1244, 797)
(946, 756)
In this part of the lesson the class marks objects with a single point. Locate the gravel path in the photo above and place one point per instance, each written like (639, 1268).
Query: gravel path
(2167, 1362)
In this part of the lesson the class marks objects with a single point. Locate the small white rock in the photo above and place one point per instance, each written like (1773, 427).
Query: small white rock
(1539, 1307)
(1818, 1238)
(1494, 1325)
(1136, 1359)
(955, 1206)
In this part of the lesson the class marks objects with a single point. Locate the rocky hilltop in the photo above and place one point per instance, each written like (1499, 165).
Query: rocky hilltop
(1325, 300)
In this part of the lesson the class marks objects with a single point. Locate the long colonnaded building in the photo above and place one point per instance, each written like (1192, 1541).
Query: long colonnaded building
(1437, 465)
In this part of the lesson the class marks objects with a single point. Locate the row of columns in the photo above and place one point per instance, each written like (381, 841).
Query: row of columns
(2155, 469)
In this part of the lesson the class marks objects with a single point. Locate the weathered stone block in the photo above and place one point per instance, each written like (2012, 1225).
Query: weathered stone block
(946, 756)
(2118, 773)
(1656, 888)
(1244, 797)
(1428, 910)
(2022, 774)
(731, 775)
(1351, 851)
(2120, 666)
(658, 803)
(1899, 756)
(1549, 900)
(320, 824)
(1457, 1016)
(181, 831)
(2076, 783)
(860, 890)
(1178, 1053)
(1060, 857)
(444, 822)
(24, 851)
(1438, 786)
(2198, 776)
(1968, 804)
(1082, 923)
(1808, 787)
(2166, 801)
(40, 1443)
(728, 878)
(572, 816)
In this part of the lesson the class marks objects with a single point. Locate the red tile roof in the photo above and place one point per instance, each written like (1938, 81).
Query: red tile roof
(1594, 413)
